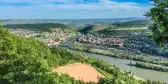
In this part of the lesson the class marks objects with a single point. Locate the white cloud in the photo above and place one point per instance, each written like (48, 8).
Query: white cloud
(44, 8)
(100, 6)
(151, 2)
(64, 1)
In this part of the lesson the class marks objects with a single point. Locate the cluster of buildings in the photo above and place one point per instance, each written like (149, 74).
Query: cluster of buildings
(99, 40)
(55, 37)
(24, 32)
(52, 38)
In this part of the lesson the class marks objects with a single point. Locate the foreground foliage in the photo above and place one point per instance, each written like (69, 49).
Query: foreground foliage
(159, 29)
(26, 61)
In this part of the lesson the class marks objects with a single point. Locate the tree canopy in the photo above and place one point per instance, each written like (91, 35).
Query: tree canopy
(159, 28)
(37, 26)
(27, 61)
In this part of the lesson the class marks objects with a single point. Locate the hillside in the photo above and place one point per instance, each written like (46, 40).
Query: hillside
(127, 24)
(26, 61)
(136, 23)
(37, 26)
(93, 28)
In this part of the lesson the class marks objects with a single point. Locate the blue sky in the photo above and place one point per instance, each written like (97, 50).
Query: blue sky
(72, 9)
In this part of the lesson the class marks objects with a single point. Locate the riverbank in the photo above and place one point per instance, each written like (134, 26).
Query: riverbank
(150, 66)
(123, 65)
(122, 54)
(140, 64)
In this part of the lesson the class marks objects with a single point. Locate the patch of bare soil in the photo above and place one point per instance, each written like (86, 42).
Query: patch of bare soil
(80, 71)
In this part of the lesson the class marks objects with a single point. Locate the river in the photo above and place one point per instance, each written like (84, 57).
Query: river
(122, 64)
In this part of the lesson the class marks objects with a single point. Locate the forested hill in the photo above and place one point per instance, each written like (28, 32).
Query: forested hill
(136, 23)
(37, 26)
(27, 61)
(127, 24)
(93, 28)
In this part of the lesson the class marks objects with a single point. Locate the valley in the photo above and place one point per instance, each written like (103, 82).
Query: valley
(84, 42)
(116, 46)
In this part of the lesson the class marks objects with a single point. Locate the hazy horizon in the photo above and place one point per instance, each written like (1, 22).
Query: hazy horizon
(143, 18)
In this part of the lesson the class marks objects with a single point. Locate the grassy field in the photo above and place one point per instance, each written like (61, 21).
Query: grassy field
(138, 78)
(100, 51)
(138, 28)
(93, 28)
(76, 47)
(99, 27)
(107, 75)
(93, 50)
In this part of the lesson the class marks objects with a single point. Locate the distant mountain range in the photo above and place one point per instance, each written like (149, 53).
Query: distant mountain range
(37, 26)
(66, 21)
(128, 18)
(125, 24)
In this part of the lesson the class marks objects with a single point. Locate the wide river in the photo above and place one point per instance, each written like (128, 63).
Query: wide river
(122, 64)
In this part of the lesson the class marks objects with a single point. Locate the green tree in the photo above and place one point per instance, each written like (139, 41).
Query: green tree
(0, 24)
(159, 28)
